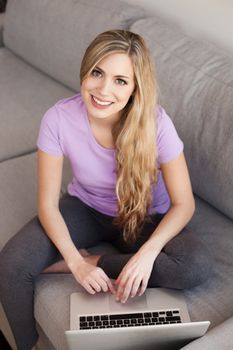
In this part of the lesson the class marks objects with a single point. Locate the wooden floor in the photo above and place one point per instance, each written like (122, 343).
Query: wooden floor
(3, 343)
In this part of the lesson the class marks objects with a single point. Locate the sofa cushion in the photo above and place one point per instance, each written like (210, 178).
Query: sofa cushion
(53, 34)
(209, 301)
(25, 96)
(218, 338)
(196, 82)
(18, 193)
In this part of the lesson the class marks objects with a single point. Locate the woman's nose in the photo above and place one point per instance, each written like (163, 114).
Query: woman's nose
(105, 87)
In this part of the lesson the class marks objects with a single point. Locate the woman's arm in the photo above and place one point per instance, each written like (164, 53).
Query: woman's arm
(177, 181)
(49, 185)
(137, 271)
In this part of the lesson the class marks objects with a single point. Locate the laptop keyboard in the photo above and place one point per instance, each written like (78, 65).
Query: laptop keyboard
(129, 320)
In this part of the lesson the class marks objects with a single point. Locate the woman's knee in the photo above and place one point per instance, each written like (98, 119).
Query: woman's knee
(26, 254)
(193, 260)
(197, 265)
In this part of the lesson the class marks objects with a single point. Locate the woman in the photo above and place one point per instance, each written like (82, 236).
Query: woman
(130, 187)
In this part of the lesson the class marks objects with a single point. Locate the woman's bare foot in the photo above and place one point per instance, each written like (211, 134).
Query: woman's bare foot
(61, 266)
(90, 259)
(83, 252)
(58, 267)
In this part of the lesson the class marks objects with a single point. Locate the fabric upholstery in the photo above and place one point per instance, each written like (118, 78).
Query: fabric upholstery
(218, 338)
(196, 83)
(52, 35)
(25, 96)
(18, 193)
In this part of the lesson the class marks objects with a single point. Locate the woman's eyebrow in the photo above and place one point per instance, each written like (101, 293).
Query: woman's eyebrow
(116, 76)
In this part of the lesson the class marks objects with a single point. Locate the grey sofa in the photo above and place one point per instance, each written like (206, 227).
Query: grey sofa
(42, 43)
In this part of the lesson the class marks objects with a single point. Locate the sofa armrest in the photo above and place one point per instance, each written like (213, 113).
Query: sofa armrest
(219, 337)
(1, 28)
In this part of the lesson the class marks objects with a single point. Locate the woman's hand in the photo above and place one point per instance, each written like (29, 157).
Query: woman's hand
(135, 275)
(91, 277)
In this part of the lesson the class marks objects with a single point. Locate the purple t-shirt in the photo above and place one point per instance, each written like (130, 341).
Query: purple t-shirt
(65, 130)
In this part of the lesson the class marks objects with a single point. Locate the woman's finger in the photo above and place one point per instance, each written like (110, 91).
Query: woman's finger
(95, 285)
(88, 288)
(103, 284)
(143, 286)
(135, 286)
(107, 281)
(126, 289)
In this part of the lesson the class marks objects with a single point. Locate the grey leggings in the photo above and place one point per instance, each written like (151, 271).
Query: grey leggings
(183, 263)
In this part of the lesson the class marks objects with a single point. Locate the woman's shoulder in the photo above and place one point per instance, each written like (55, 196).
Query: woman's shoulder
(65, 109)
(168, 141)
(70, 102)
(161, 113)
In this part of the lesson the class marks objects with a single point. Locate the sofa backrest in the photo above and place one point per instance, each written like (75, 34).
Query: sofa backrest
(196, 83)
(52, 35)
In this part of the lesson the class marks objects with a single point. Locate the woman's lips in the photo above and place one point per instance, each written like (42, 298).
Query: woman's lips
(100, 103)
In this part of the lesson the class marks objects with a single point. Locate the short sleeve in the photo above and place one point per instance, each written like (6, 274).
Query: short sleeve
(169, 144)
(49, 136)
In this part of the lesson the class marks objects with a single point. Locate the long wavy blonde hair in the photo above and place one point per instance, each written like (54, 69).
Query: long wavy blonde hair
(135, 133)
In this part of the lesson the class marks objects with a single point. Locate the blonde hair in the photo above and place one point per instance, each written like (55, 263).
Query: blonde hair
(135, 133)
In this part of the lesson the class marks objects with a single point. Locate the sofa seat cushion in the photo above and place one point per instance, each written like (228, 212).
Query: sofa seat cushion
(26, 94)
(218, 338)
(209, 301)
(213, 300)
(52, 35)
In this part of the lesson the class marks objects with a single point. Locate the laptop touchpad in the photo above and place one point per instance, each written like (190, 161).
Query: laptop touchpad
(131, 305)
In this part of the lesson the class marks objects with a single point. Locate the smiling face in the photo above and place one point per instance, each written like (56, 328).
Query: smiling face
(108, 87)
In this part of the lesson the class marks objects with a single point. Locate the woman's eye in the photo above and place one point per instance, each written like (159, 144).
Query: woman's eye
(96, 73)
(121, 82)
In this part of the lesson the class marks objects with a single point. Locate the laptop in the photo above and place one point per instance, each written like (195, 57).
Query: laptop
(157, 320)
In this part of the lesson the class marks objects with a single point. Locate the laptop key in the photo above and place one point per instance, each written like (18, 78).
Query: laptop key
(169, 313)
(125, 316)
(133, 321)
(83, 324)
(173, 318)
(104, 317)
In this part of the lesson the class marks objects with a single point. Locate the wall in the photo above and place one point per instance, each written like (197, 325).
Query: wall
(211, 19)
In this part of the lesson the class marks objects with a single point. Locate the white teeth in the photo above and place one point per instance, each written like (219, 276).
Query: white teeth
(102, 103)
